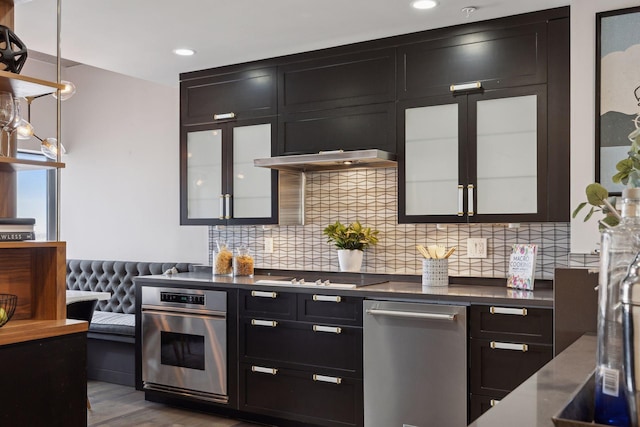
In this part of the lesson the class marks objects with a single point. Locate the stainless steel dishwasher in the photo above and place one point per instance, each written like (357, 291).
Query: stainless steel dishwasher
(415, 365)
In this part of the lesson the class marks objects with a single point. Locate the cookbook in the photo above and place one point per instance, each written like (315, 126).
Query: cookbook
(522, 266)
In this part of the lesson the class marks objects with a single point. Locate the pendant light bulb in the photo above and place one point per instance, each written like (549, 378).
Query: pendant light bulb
(49, 148)
(66, 93)
(24, 130)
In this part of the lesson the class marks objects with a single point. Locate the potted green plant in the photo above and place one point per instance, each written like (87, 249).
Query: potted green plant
(351, 240)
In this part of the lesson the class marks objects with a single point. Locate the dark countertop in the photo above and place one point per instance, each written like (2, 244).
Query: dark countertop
(393, 289)
(545, 393)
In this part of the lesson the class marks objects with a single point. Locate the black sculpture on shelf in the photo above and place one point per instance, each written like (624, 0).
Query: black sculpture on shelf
(13, 53)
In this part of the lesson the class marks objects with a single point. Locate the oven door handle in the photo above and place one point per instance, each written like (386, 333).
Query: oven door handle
(177, 311)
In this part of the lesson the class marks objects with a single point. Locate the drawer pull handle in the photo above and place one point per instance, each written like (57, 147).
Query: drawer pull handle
(328, 298)
(222, 116)
(494, 402)
(332, 329)
(326, 379)
(505, 310)
(262, 370)
(509, 346)
(465, 86)
(263, 294)
(269, 323)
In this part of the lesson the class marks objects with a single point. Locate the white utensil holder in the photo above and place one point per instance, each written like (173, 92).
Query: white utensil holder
(435, 272)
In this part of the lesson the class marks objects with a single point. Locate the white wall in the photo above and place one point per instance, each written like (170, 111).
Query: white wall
(585, 236)
(120, 188)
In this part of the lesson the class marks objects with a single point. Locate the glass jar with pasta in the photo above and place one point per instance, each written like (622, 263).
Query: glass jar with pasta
(243, 262)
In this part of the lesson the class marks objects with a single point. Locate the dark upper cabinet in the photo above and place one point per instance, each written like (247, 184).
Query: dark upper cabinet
(497, 58)
(342, 102)
(358, 78)
(219, 184)
(479, 157)
(349, 128)
(247, 94)
(496, 154)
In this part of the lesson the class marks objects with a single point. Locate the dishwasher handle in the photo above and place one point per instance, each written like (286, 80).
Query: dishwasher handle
(412, 314)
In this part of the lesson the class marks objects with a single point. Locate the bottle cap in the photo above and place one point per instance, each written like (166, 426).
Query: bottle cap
(631, 193)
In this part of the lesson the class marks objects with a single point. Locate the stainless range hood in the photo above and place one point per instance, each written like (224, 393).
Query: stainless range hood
(330, 160)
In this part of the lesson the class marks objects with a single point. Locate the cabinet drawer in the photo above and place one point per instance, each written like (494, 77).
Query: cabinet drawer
(295, 395)
(497, 367)
(330, 309)
(350, 128)
(337, 81)
(308, 344)
(520, 324)
(509, 57)
(269, 304)
(247, 94)
(478, 405)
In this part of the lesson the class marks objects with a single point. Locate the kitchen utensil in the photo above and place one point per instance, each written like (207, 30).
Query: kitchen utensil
(423, 251)
(450, 252)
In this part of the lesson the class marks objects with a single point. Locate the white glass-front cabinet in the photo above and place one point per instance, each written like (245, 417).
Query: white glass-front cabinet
(478, 157)
(219, 184)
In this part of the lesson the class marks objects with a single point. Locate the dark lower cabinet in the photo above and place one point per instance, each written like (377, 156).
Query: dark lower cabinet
(45, 382)
(307, 397)
(301, 357)
(313, 345)
(499, 367)
(478, 405)
(506, 346)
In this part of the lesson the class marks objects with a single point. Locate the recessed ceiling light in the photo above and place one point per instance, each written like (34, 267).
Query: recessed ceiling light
(424, 4)
(184, 52)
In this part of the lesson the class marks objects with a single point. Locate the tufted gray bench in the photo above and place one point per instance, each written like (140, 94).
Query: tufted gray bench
(111, 336)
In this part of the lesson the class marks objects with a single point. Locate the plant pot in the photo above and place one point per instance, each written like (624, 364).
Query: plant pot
(350, 259)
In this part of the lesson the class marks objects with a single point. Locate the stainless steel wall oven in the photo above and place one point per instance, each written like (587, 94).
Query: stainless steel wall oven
(184, 342)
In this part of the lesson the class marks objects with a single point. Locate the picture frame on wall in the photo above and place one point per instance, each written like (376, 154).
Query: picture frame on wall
(617, 90)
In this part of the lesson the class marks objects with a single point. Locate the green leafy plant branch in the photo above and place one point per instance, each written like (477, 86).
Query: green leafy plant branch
(598, 197)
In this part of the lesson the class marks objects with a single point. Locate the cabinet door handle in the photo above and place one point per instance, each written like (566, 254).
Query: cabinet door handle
(470, 211)
(222, 116)
(227, 202)
(269, 323)
(494, 402)
(263, 370)
(326, 379)
(506, 310)
(465, 86)
(263, 294)
(221, 207)
(460, 200)
(509, 346)
(328, 298)
(331, 329)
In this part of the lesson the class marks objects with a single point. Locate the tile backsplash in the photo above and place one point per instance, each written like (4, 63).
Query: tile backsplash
(370, 196)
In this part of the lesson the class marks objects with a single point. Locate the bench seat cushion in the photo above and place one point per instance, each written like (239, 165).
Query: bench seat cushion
(113, 323)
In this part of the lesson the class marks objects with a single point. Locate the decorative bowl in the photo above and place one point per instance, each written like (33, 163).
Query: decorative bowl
(7, 307)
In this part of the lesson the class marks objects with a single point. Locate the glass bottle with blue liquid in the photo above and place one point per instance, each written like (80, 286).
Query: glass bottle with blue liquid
(619, 247)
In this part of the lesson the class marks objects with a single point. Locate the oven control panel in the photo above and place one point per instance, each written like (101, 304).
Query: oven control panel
(182, 298)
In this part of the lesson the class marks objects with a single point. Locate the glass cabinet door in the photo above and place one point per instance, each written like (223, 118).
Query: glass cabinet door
(508, 154)
(431, 160)
(252, 196)
(204, 174)
(507, 142)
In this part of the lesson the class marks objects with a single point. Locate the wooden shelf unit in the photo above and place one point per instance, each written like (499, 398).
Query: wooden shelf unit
(24, 86)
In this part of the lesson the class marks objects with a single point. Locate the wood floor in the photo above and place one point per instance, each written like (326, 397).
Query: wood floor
(114, 405)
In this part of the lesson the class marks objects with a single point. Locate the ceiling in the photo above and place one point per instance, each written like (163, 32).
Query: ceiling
(136, 37)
